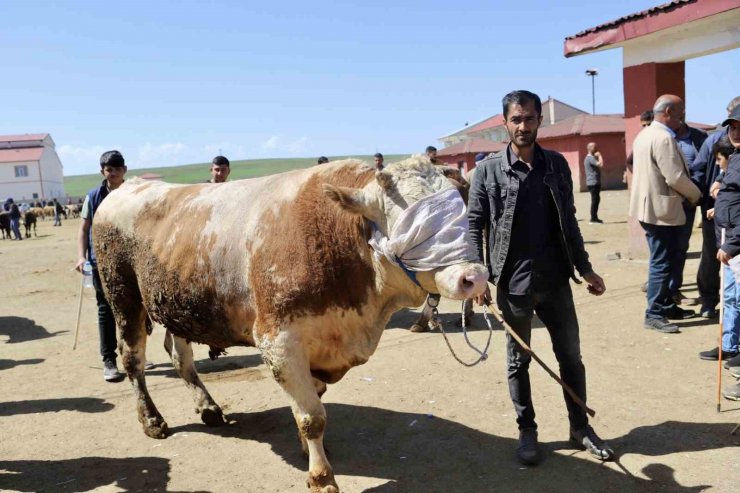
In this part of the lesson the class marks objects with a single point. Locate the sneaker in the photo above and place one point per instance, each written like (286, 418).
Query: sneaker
(111, 373)
(529, 452)
(733, 362)
(713, 354)
(709, 313)
(596, 221)
(661, 325)
(587, 439)
(679, 314)
(679, 299)
(644, 287)
(732, 393)
(735, 371)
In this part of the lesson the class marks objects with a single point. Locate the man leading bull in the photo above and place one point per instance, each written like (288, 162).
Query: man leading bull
(524, 196)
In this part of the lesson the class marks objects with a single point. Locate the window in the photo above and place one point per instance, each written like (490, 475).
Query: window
(21, 171)
(35, 195)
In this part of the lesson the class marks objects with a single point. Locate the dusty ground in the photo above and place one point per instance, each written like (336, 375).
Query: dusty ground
(410, 420)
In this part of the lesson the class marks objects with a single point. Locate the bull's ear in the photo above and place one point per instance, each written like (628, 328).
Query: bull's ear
(349, 199)
(385, 180)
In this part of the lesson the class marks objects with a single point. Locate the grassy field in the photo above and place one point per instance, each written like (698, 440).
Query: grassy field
(76, 186)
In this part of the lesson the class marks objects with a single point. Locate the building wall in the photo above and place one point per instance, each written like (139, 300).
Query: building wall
(573, 148)
(52, 174)
(45, 178)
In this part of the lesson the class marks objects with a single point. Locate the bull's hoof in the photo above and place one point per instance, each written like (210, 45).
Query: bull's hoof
(212, 416)
(322, 482)
(419, 328)
(156, 428)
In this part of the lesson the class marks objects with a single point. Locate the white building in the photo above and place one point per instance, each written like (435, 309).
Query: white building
(30, 167)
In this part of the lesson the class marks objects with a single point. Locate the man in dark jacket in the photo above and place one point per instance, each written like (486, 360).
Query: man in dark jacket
(524, 196)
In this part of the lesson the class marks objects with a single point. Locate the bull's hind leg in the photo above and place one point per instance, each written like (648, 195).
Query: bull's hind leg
(132, 344)
(182, 359)
(291, 370)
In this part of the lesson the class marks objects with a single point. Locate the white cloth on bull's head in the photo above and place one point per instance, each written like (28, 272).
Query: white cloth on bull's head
(430, 233)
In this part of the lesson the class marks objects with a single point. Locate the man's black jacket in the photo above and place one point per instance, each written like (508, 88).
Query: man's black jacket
(727, 208)
(492, 201)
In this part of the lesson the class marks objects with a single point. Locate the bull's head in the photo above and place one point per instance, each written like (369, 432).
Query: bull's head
(417, 211)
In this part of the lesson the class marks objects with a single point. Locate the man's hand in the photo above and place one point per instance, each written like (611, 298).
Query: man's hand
(596, 284)
(484, 298)
(710, 214)
(714, 189)
(80, 264)
(723, 257)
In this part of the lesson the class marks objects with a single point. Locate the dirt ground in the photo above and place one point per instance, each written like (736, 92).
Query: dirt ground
(411, 420)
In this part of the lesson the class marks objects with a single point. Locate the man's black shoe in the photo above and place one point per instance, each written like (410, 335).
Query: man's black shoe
(713, 354)
(679, 314)
(661, 325)
(529, 452)
(708, 313)
(587, 439)
(733, 362)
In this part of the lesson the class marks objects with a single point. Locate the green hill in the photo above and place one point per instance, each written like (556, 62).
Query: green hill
(76, 186)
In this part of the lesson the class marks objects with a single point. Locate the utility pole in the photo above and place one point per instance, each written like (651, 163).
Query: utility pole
(592, 72)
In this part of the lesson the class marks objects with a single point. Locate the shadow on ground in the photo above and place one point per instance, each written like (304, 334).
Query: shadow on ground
(7, 364)
(85, 474)
(20, 329)
(405, 448)
(405, 318)
(206, 366)
(80, 404)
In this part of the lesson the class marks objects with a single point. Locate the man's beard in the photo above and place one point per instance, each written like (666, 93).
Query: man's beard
(523, 139)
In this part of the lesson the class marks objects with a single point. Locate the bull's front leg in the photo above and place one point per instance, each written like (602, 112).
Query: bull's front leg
(182, 360)
(290, 368)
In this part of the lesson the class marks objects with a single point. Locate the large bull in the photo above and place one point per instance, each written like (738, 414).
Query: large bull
(282, 263)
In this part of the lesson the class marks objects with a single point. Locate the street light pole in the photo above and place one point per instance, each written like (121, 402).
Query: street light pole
(592, 72)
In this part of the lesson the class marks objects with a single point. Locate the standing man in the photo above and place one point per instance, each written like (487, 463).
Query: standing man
(593, 164)
(431, 153)
(220, 169)
(112, 168)
(659, 186)
(378, 161)
(689, 141)
(15, 219)
(704, 172)
(524, 196)
(58, 209)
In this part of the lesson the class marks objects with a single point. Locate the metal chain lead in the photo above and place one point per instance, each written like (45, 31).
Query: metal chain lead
(483, 355)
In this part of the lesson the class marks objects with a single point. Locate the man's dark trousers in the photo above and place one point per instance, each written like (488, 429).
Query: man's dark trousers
(595, 191)
(557, 311)
(683, 248)
(663, 242)
(707, 277)
(106, 322)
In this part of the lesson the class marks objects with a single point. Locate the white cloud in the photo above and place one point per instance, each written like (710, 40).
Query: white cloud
(165, 154)
(80, 160)
(271, 144)
(297, 146)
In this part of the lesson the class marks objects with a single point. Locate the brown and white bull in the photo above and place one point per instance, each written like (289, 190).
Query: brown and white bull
(281, 263)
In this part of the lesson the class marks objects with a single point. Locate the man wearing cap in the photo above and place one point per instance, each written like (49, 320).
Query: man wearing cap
(219, 170)
(660, 185)
(704, 172)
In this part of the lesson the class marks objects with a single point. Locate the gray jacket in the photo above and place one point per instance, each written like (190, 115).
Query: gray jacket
(493, 195)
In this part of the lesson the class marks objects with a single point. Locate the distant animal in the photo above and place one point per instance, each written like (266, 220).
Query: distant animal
(290, 271)
(38, 212)
(49, 211)
(5, 225)
(29, 219)
(73, 210)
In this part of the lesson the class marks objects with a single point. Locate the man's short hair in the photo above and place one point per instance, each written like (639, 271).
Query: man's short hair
(646, 116)
(521, 98)
(430, 149)
(322, 160)
(378, 155)
(221, 161)
(112, 158)
(723, 146)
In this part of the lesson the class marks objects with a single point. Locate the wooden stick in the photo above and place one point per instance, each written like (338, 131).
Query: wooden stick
(526, 347)
(79, 312)
(721, 323)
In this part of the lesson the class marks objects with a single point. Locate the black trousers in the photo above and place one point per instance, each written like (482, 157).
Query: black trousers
(557, 311)
(106, 322)
(707, 277)
(595, 191)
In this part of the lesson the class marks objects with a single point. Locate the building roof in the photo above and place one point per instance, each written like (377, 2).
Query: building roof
(658, 18)
(491, 122)
(583, 125)
(21, 155)
(472, 145)
(22, 137)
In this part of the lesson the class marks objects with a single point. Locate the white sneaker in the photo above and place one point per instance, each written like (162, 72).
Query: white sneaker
(111, 373)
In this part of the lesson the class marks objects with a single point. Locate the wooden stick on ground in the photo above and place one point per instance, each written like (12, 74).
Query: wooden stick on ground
(526, 347)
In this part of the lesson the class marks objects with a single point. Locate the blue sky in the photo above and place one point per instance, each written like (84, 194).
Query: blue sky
(173, 82)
